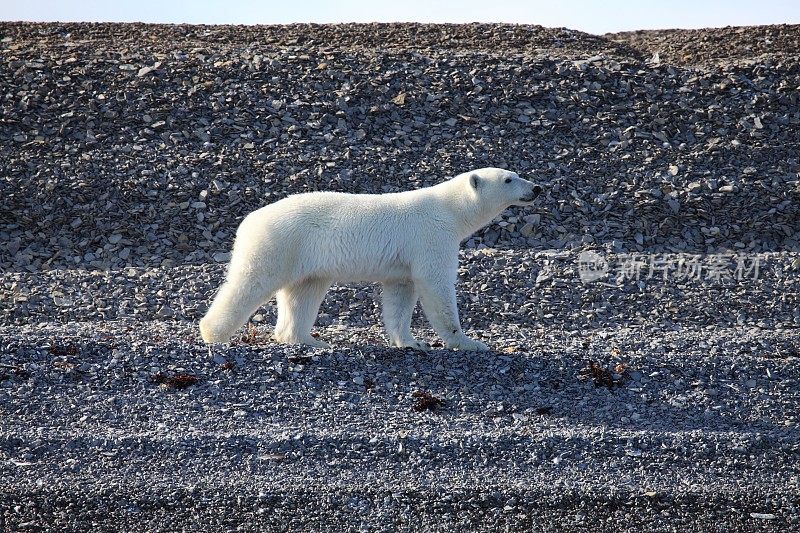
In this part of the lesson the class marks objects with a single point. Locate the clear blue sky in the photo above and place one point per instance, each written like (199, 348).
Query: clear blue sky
(594, 16)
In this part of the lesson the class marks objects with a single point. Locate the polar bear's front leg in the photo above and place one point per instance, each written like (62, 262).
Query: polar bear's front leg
(399, 300)
(437, 287)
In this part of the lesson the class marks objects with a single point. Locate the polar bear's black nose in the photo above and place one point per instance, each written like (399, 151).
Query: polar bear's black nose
(536, 190)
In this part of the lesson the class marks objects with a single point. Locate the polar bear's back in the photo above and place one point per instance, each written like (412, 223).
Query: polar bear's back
(338, 235)
(340, 212)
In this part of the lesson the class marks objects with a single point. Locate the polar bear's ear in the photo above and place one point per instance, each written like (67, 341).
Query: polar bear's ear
(474, 179)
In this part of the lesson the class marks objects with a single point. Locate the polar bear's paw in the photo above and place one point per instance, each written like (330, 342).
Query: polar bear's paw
(306, 340)
(413, 344)
(468, 345)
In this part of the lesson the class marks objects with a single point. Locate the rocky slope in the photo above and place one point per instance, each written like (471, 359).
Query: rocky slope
(132, 145)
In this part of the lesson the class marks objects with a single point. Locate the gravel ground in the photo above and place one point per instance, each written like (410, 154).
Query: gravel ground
(666, 400)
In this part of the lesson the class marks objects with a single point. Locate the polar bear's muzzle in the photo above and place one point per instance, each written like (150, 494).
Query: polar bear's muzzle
(528, 198)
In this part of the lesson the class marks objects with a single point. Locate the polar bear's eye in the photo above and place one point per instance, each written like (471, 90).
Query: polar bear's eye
(508, 180)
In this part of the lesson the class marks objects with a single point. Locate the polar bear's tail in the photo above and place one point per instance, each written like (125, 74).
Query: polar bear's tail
(237, 299)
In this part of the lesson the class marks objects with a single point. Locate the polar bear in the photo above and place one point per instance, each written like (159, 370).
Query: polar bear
(408, 241)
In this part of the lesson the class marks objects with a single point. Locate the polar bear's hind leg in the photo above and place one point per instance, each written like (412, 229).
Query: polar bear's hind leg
(298, 305)
(236, 301)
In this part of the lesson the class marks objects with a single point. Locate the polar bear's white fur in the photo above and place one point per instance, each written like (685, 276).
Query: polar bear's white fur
(297, 247)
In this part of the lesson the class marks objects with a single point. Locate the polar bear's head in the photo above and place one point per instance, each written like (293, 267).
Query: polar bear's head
(477, 196)
(498, 189)
(484, 193)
